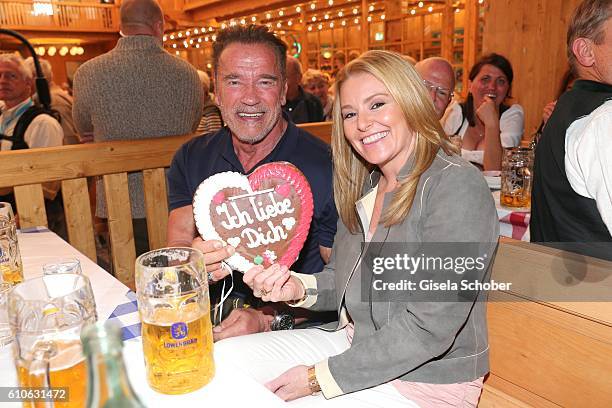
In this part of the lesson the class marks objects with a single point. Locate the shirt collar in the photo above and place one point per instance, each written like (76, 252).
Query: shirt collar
(133, 42)
(592, 86)
(11, 111)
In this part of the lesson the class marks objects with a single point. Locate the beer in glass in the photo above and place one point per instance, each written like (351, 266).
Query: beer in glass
(10, 259)
(46, 315)
(174, 307)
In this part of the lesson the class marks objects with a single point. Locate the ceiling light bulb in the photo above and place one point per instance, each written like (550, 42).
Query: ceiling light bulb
(313, 6)
(298, 9)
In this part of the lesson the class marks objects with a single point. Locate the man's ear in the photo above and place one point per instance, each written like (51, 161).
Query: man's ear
(583, 51)
(284, 94)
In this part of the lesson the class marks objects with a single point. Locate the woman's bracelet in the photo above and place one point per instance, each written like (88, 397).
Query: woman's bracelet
(312, 380)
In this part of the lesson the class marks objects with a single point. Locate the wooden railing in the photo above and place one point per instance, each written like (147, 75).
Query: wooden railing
(54, 15)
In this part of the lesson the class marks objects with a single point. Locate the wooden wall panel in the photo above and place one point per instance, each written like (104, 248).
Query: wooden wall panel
(532, 35)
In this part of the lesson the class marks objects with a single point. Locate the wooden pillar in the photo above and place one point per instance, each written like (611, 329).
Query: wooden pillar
(448, 30)
(365, 26)
(303, 35)
(421, 38)
(470, 39)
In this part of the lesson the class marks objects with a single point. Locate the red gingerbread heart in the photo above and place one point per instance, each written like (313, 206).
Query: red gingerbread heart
(265, 216)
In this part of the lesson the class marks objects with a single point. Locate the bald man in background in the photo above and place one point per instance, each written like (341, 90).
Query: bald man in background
(439, 79)
(136, 91)
(301, 106)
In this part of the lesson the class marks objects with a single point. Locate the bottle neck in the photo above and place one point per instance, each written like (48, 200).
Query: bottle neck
(109, 382)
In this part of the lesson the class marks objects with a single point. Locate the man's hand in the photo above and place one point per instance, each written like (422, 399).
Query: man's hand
(292, 384)
(214, 252)
(241, 322)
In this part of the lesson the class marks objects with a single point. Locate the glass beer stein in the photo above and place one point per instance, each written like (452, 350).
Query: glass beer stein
(47, 314)
(516, 177)
(10, 259)
(174, 307)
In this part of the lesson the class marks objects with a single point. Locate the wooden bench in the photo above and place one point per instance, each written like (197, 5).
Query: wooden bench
(543, 353)
(25, 170)
(550, 337)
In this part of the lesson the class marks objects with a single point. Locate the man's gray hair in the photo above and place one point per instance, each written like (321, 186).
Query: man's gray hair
(587, 21)
(45, 66)
(19, 61)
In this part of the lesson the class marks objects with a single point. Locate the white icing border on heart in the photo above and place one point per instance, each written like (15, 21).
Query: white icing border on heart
(202, 200)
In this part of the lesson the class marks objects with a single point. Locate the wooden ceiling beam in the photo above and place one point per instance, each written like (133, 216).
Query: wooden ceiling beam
(223, 10)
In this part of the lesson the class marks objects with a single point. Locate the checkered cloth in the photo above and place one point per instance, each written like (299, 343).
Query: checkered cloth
(513, 223)
(126, 314)
(33, 230)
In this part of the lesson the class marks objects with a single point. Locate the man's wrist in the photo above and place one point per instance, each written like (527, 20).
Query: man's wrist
(265, 319)
(185, 244)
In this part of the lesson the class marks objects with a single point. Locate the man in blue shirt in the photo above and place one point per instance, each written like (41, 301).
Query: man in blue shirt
(250, 78)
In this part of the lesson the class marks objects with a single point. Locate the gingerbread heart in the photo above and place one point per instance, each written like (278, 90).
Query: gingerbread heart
(265, 215)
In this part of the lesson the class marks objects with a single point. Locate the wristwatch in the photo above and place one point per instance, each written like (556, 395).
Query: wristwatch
(282, 321)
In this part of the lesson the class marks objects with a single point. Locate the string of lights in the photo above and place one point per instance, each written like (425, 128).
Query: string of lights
(310, 16)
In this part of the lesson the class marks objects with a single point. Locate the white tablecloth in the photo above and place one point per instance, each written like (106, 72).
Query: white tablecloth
(228, 388)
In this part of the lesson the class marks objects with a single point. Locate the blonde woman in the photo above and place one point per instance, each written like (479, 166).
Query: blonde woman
(397, 183)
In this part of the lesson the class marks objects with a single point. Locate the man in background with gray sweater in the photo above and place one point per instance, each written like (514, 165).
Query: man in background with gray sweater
(136, 91)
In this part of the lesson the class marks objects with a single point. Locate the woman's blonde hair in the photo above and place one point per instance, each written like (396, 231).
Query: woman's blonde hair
(350, 170)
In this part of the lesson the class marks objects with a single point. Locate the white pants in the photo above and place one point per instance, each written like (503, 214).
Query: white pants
(265, 356)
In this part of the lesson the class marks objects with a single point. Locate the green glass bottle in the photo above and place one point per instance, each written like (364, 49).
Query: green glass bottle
(108, 383)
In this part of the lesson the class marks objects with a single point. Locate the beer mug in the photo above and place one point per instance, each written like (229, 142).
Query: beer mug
(6, 336)
(46, 315)
(10, 259)
(64, 265)
(174, 308)
(516, 177)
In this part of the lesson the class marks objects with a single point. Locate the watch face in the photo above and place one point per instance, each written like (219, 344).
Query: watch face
(282, 321)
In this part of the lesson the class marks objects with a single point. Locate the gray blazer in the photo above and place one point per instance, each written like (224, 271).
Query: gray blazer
(421, 341)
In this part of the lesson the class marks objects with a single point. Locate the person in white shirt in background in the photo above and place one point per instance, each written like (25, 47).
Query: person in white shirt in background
(61, 101)
(484, 122)
(16, 85)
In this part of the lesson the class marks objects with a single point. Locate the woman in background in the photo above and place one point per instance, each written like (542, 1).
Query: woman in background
(317, 83)
(484, 122)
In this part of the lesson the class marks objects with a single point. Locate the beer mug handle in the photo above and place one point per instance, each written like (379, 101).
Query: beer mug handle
(41, 357)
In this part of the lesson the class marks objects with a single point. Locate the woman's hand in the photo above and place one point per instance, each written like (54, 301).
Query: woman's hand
(274, 284)
(488, 112)
(292, 384)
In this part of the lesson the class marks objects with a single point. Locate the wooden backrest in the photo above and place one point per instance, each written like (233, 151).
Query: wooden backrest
(26, 170)
(550, 336)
